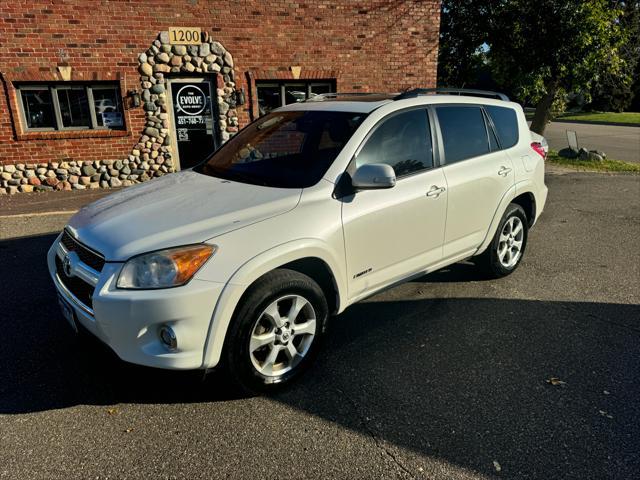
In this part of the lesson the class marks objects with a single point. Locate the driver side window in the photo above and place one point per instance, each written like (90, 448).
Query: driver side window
(402, 141)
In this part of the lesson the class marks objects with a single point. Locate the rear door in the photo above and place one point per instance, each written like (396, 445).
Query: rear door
(478, 175)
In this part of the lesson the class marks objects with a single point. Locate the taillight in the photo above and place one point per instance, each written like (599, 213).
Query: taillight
(537, 146)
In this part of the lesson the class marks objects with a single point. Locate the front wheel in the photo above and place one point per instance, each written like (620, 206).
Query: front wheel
(504, 253)
(276, 331)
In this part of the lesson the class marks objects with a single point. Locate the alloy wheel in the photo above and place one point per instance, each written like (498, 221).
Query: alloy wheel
(510, 242)
(282, 335)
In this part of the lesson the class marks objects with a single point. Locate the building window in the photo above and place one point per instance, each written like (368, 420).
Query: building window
(71, 106)
(274, 94)
(37, 108)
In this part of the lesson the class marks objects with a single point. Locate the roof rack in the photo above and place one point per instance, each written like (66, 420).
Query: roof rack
(324, 96)
(416, 92)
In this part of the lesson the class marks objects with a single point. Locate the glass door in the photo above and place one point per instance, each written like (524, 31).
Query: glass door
(194, 133)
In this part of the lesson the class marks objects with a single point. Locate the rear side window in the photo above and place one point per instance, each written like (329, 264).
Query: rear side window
(402, 141)
(506, 124)
(464, 133)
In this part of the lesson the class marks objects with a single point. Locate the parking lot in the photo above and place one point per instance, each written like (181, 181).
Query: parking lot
(448, 376)
(618, 142)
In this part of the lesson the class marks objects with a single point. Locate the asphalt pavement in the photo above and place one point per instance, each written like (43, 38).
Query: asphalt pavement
(444, 377)
(618, 142)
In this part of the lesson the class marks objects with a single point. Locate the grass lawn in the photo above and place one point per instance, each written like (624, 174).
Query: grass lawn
(632, 118)
(592, 166)
(613, 117)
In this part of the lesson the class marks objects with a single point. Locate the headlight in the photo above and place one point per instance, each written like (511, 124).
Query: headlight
(164, 268)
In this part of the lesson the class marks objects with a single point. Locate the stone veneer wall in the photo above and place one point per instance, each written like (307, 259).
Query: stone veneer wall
(152, 155)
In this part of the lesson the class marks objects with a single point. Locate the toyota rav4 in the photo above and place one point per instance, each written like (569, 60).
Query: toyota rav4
(240, 261)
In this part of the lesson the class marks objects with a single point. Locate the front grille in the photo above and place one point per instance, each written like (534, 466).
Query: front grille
(81, 289)
(86, 255)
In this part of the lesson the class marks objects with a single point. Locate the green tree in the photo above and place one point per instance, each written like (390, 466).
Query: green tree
(460, 54)
(536, 49)
(615, 90)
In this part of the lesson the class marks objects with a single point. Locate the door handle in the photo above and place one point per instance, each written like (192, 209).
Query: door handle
(435, 191)
(504, 171)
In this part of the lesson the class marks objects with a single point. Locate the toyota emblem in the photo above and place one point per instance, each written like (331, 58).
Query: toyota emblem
(66, 265)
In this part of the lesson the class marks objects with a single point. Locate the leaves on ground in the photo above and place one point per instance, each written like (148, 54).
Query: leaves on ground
(556, 382)
(497, 466)
(112, 411)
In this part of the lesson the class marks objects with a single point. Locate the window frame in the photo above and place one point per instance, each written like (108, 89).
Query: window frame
(55, 102)
(58, 111)
(491, 128)
(487, 125)
(92, 105)
(305, 84)
(23, 113)
(435, 160)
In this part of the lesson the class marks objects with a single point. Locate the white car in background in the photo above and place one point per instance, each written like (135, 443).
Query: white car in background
(240, 261)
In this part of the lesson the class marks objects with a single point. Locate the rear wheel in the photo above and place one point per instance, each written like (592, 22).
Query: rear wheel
(276, 331)
(504, 253)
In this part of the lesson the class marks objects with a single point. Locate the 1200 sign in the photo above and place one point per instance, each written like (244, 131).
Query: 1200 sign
(185, 35)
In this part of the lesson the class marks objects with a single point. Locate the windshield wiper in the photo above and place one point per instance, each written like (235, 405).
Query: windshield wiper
(233, 175)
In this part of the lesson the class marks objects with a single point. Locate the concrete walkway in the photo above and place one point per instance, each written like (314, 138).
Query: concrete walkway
(619, 143)
(49, 202)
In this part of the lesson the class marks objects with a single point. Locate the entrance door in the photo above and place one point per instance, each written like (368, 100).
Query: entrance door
(193, 120)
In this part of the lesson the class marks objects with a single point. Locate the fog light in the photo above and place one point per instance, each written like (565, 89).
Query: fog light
(168, 337)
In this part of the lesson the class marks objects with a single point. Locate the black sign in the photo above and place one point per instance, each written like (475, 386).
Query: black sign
(191, 99)
(193, 120)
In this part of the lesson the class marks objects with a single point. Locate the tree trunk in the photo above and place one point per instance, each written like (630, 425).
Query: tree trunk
(543, 109)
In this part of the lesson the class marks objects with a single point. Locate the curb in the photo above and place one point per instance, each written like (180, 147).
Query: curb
(585, 122)
(40, 214)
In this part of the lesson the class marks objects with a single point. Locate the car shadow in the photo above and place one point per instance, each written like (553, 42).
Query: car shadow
(462, 379)
(465, 271)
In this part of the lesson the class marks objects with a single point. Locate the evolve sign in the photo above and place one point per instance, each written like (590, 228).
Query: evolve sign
(191, 100)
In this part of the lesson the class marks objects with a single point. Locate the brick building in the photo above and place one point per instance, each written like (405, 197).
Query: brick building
(100, 93)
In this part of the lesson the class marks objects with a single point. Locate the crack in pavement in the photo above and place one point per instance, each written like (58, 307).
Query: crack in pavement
(599, 318)
(383, 450)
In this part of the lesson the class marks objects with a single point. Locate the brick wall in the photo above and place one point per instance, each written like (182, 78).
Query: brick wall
(375, 45)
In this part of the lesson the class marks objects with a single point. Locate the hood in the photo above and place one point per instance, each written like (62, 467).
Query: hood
(177, 209)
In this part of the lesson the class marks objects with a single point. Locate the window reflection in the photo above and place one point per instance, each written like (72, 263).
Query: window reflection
(38, 108)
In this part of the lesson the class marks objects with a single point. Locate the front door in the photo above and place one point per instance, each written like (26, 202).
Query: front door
(390, 234)
(194, 134)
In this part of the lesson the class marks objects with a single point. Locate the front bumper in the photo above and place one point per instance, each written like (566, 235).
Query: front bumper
(128, 321)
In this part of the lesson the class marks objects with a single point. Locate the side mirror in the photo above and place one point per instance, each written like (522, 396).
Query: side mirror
(374, 176)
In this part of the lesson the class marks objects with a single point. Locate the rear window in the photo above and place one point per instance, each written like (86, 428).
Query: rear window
(464, 133)
(506, 124)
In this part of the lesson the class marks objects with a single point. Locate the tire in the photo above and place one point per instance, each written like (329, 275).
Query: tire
(505, 252)
(262, 318)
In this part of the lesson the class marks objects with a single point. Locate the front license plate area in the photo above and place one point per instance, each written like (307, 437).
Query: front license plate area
(67, 313)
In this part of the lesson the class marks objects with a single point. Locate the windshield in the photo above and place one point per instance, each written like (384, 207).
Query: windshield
(284, 149)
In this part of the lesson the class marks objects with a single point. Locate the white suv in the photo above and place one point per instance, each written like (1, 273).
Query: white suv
(240, 261)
